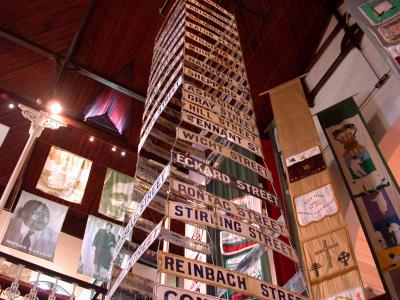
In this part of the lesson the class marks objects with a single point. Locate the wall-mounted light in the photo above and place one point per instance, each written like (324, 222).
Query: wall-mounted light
(11, 106)
(123, 153)
(113, 149)
(91, 139)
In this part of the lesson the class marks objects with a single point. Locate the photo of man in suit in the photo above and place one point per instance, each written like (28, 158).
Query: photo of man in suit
(98, 247)
(104, 244)
(35, 226)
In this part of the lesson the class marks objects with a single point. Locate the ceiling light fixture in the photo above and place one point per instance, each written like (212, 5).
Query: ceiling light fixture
(91, 138)
(11, 106)
(114, 149)
(123, 153)
(55, 107)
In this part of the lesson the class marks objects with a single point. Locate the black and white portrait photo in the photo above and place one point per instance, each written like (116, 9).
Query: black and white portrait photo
(35, 226)
(98, 247)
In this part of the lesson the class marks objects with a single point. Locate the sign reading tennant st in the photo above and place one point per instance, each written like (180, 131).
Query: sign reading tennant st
(201, 196)
(217, 276)
(188, 213)
(205, 170)
(163, 292)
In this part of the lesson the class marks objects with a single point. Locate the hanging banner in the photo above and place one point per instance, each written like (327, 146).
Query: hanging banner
(193, 138)
(328, 256)
(162, 292)
(35, 226)
(135, 257)
(187, 213)
(241, 212)
(205, 170)
(117, 193)
(142, 207)
(97, 248)
(305, 164)
(315, 205)
(369, 181)
(220, 277)
(64, 175)
(327, 250)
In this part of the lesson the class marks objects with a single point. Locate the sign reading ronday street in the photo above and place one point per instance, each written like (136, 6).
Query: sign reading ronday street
(205, 170)
(217, 276)
(188, 213)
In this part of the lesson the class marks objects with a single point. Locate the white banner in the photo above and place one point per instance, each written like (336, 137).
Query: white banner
(316, 205)
(162, 292)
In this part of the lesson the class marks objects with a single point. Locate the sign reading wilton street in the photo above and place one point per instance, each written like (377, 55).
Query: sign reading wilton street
(220, 277)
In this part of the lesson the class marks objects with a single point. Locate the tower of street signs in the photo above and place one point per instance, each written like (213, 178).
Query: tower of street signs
(198, 107)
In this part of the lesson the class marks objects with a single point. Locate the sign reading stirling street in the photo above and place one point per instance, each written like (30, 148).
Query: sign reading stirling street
(205, 170)
(220, 277)
(188, 213)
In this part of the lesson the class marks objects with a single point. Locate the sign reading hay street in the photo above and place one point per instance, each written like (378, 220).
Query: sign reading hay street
(187, 213)
(217, 276)
(205, 170)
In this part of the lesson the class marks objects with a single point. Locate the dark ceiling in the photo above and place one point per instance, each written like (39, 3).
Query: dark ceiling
(74, 50)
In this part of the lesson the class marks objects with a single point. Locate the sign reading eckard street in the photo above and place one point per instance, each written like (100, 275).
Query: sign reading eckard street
(217, 276)
(205, 170)
(191, 214)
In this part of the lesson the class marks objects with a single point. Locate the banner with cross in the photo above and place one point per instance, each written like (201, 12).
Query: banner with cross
(328, 255)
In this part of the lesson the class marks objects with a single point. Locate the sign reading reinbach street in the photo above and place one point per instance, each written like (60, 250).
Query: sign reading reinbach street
(217, 276)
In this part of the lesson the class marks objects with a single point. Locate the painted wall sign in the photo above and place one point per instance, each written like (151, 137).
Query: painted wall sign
(230, 21)
(201, 196)
(188, 136)
(222, 132)
(205, 170)
(217, 276)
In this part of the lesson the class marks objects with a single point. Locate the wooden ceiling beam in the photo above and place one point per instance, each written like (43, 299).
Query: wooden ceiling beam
(71, 66)
(74, 122)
